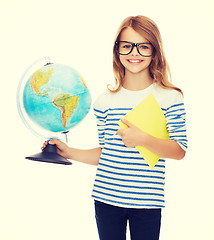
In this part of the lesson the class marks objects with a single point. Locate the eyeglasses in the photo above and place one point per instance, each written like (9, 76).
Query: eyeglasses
(145, 49)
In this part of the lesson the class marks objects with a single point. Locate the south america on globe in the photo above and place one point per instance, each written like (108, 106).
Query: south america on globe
(56, 98)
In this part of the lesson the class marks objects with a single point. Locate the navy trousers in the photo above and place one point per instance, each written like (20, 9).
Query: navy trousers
(112, 221)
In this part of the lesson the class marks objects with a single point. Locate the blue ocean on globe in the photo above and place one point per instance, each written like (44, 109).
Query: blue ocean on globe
(56, 98)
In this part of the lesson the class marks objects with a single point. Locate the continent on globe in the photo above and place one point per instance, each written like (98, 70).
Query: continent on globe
(66, 103)
(40, 78)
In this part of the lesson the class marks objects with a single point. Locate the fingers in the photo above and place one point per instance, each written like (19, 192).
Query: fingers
(44, 145)
(52, 142)
(128, 124)
(120, 132)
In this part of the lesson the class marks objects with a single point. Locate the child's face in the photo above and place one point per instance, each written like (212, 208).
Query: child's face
(134, 62)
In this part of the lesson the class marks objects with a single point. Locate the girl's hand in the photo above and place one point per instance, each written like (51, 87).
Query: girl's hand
(132, 136)
(61, 148)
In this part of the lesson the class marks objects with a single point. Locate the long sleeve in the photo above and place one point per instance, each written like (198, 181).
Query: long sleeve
(100, 113)
(176, 121)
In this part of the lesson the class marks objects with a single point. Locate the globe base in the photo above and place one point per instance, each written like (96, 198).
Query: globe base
(49, 155)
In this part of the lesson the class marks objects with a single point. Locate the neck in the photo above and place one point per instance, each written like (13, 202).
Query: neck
(137, 81)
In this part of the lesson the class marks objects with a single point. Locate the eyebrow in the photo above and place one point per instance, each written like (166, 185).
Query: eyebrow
(134, 43)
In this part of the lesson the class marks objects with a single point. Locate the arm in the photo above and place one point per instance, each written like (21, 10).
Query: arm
(163, 148)
(133, 136)
(90, 156)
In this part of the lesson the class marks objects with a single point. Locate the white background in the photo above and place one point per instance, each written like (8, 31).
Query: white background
(51, 202)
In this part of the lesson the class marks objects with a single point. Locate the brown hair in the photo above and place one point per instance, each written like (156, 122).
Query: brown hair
(159, 69)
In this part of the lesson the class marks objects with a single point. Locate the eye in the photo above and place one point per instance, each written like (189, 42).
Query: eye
(127, 46)
(144, 47)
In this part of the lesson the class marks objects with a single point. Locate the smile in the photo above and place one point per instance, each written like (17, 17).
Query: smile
(135, 60)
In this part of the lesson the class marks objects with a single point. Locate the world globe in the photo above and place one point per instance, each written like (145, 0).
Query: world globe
(53, 99)
(56, 97)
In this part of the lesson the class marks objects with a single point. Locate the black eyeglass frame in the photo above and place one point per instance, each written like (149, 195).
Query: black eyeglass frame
(133, 45)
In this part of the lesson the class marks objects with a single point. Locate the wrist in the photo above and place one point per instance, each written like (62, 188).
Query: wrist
(144, 138)
(70, 153)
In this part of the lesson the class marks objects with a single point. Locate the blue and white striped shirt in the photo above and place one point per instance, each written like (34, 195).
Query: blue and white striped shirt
(123, 177)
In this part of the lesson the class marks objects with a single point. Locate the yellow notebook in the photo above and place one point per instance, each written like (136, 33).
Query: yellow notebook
(149, 117)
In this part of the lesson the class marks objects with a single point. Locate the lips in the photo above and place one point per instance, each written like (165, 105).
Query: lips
(134, 60)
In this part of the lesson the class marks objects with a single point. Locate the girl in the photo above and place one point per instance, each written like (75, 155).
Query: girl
(125, 188)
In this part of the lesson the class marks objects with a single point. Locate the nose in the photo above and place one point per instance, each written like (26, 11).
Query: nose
(134, 51)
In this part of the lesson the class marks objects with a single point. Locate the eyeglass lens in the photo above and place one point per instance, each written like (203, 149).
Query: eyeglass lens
(145, 49)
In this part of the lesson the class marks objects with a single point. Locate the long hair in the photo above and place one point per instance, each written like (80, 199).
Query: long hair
(158, 69)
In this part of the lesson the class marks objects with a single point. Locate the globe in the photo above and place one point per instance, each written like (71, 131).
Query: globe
(56, 97)
(53, 99)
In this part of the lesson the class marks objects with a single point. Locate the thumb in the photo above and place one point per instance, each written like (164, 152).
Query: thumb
(59, 144)
(61, 147)
(128, 124)
(53, 141)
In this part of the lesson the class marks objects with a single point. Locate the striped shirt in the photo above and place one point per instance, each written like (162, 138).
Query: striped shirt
(123, 177)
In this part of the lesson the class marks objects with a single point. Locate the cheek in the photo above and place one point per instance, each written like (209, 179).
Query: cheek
(122, 60)
(149, 61)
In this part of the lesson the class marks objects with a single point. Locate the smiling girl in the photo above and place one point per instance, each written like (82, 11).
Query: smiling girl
(125, 188)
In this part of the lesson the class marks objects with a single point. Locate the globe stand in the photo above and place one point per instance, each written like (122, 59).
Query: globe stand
(49, 155)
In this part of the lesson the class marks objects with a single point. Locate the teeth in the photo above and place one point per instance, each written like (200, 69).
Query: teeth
(134, 61)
